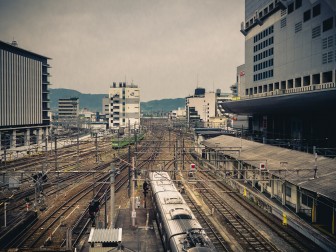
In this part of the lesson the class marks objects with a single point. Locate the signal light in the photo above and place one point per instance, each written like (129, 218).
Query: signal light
(262, 166)
(145, 188)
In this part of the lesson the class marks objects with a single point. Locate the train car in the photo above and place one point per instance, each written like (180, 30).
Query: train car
(179, 229)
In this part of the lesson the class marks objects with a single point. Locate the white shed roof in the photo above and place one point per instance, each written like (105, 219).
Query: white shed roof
(105, 235)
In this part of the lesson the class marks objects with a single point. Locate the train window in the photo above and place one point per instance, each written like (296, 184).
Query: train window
(180, 213)
(175, 200)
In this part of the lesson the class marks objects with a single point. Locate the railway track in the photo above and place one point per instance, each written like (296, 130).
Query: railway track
(249, 237)
(214, 235)
(290, 236)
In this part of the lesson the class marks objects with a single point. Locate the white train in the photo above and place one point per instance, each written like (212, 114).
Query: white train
(179, 229)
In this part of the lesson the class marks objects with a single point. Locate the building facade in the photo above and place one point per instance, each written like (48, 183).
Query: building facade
(105, 106)
(68, 111)
(203, 107)
(289, 46)
(124, 108)
(288, 86)
(24, 97)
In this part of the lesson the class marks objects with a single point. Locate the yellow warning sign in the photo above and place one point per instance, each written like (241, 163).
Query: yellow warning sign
(284, 219)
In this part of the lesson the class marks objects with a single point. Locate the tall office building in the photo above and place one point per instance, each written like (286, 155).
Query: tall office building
(68, 111)
(289, 45)
(124, 108)
(24, 96)
(287, 82)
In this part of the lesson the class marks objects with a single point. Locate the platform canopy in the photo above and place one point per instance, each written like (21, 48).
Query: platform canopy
(293, 166)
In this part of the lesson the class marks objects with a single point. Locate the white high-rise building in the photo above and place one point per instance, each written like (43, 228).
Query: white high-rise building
(124, 108)
(290, 46)
(287, 82)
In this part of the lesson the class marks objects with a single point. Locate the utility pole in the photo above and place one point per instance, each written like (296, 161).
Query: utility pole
(133, 204)
(118, 143)
(56, 164)
(169, 138)
(96, 144)
(135, 155)
(112, 195)
(5, 213)
(183, 153)
(77, 140)
(315, 162)
(129, 171)
(105, 219)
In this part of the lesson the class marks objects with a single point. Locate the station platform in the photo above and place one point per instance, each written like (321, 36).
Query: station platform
(143, 236)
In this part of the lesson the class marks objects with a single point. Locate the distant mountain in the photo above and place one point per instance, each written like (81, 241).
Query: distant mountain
(93, 102)
(164, 105)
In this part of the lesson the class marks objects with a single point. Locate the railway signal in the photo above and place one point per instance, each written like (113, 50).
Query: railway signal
(145, 191)
(145, 188)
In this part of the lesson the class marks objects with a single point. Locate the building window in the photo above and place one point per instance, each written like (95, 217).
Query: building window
(330, 56)
(283, 12)
(298, 4)
(316, 10)
(283, 22)
(330, 41)
(288, 191)
(298, 27)
(290, 8)
(306, 16)
(316, 32)
(328, 24)
(327, 42)
(324, 58)
(306, 200)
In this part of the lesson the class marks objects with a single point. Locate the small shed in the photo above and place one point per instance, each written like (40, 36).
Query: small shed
(102, 240)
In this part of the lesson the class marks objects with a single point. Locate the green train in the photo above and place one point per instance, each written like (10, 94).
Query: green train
(125, 141)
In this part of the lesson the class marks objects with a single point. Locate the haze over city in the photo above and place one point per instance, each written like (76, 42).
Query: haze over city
(166, 47)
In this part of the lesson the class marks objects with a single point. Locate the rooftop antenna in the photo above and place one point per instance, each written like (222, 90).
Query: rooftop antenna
(14, 43)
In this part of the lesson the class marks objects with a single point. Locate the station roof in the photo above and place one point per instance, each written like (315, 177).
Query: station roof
(293, 166)
(10, 47)
(213, 131)
(309, 102)
(105, 235)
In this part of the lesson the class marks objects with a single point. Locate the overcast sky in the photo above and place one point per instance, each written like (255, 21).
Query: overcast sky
(162, 45)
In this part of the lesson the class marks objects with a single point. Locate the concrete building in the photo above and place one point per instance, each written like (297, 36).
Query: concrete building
(105, 106)
(68, 111)
(203, 107)
(288, 85)
(24, 97)
(124, 108)
(178, 114)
